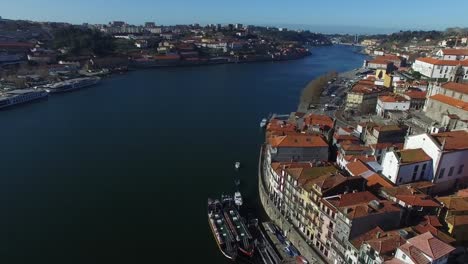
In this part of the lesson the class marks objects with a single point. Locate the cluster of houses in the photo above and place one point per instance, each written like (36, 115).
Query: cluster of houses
(390, 188)
(378, 192)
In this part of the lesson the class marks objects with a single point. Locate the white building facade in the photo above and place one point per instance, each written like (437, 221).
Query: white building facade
(439, 69)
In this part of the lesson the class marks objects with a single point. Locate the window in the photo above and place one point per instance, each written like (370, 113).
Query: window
(415, 172)
(441, 173)
(460, 169)
(423, 170)
(451, 171)
(403, 256)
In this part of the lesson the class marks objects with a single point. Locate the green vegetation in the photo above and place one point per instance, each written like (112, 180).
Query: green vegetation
(311, 93)
(83, 41)
(124, 46)
(416, 75)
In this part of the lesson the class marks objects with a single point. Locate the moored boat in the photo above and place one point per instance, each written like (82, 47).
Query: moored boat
(70, 85)
(21, 96)
(221, 231)
(263, 123)
(245, 241)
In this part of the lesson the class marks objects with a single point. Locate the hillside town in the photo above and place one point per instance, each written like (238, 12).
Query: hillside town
(383, 178)
(34, 53)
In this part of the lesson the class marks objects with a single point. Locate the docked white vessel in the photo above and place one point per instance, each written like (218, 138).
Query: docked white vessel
(20, 96)
(263, 123)
(238, 199)
(70, 85)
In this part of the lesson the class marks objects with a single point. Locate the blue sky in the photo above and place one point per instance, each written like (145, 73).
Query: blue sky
(332, 14)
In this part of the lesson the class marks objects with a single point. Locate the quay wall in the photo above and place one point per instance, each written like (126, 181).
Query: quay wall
(276, 217)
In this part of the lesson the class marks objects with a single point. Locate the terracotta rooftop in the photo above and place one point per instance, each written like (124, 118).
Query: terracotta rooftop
(450, 101)
(354, 147)
(276, 125)
(366, 89)
(389, 57)
(377, 181)
(327, 182)
(357, 168)
(380, 61)
(410, 156)
(357, 242)
(345, 137)
(357, 205)
(454, 140)
(436, 232)
(401, 190)
(287, 165)
(443, 62)
(363, 158)
(388, 128)
(456, 52)
(322, 120)
(416, 94)
(385, 145)
(418, 200)
(457, 220)
(302, 175)
(386, 244)
(297, 141)
(457, 87)
(428, 244)
(454, 203)
(394, 98)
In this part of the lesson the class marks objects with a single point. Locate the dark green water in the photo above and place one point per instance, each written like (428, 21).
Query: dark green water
(120, 172)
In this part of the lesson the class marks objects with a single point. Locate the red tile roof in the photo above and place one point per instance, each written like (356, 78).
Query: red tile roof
(457, 87)
(394, 98)
(450, 101)
(298, 141)
(356, 205)
(322, 120)
(363, 158)
(443, 62)
(354, 147)
(365, 89)
(418, 200)
(389, 57)
(377, 181)
(359, 240)
(431, 246)
(386, 145)
(454, 140)
(416, 94)
(357, 168)
(280, 127)
(456, 52)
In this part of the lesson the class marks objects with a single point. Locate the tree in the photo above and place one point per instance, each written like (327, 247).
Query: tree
(83, 41)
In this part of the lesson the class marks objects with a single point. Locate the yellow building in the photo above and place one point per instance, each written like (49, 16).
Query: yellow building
(454, 214)
(458, 228)
(387, 78)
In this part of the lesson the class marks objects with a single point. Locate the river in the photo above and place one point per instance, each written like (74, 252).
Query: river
(120, 172)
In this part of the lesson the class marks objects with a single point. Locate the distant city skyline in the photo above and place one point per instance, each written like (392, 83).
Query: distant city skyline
(339, 16)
